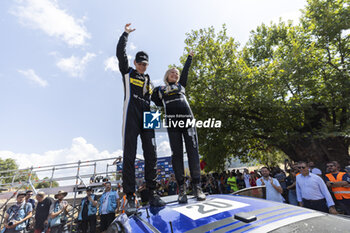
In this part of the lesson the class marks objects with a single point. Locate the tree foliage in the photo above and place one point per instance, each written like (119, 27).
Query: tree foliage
(21, 176)
(46, 183)
(7, 164)
(287, 89)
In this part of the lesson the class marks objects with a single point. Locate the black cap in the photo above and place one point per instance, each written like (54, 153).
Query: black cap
(141, 57)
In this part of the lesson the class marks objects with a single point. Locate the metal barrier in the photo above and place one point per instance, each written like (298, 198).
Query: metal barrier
(26, 182)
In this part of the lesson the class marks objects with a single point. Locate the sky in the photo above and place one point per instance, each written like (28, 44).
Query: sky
(61, 93)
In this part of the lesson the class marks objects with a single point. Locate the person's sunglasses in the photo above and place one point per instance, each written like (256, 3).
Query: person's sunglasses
(330, 165)
(301, 167)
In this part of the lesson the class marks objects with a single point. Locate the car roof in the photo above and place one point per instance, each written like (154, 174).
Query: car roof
(222, 213)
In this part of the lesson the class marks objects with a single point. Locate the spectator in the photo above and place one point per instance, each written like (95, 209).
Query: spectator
(58, 213)
(252, 179)
(98, 179)
(336, 180)
(240, 181)
(232, 182)
(234, 173)
(211, 186)
(221, 185)
(287, 165)
(313, 169)
(291, 188)
(88, 210)
(42, 212)
(28, 199)
(163, 188)
(281, 177)
(273, 188)
(172, 185)
(256, 172)
(246, 176)
(295, 167)
(347, 169)
(108, 206)
(17, 215)
(312, 192)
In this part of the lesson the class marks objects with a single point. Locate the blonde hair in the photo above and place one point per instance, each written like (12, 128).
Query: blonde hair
(167, 74)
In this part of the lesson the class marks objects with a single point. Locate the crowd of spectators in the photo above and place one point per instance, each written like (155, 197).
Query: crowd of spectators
(299, 183)
(327, 192)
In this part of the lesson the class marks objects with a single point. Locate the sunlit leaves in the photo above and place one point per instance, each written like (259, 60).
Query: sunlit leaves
(288, 83)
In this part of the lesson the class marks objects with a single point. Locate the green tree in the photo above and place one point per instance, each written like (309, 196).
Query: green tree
(7, 164)
(46, 183)
(20, 176)
(288, 88)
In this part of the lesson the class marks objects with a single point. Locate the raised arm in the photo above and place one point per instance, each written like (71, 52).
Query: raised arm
(121, 53)
(184, 73)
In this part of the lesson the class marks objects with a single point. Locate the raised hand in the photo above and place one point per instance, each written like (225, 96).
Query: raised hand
(262, 181)
(191, 53)
(128, 29)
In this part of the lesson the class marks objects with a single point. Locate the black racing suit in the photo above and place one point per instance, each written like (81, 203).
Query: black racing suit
(137, 91)
(172, 98)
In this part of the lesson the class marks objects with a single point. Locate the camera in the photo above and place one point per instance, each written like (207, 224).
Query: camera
(10, 224)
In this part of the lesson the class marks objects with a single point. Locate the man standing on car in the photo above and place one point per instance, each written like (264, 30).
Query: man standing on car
(137, 93)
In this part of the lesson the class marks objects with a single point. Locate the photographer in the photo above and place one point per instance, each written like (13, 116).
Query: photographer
(88, 210)
(58, 213)
(17, 215)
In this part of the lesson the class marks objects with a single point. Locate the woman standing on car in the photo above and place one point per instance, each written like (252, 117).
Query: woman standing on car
(172, 97)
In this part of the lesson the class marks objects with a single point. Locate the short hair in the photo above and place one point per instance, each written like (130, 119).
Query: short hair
(336, 164)
(300, 162)
(265, 168)
(29, 191)
(40, 193)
